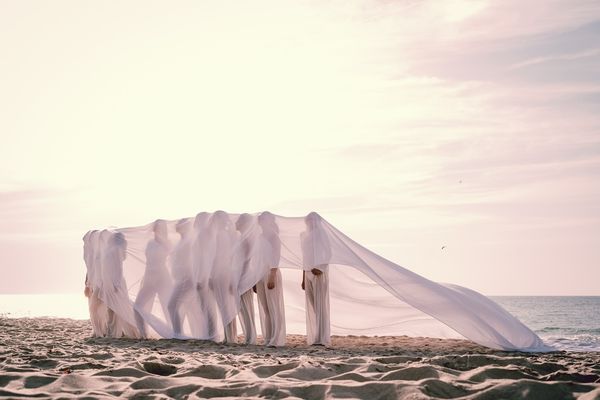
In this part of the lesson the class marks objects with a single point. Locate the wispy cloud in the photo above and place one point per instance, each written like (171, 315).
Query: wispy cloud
(559, 57)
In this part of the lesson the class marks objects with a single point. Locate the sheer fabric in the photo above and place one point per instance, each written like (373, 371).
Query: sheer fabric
(204, 284)
(269, 288)
(91, 258)
(272, 309)
(316, 252)
(156, 280)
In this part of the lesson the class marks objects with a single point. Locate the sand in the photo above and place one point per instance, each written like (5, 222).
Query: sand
(57, 358)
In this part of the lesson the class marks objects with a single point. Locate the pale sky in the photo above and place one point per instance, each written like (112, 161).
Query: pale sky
(409, 125)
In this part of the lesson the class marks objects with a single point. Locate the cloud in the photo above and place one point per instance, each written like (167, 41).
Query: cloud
(560, 57)
(38, 215)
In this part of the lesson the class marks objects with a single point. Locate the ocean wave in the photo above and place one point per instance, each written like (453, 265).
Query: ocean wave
(578, 342)
(569, 331)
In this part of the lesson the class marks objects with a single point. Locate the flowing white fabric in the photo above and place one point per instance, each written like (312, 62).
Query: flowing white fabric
(156, 280)
(98, 309)
(316, 254)
(243, 257)
(215, 261)
(182, 306)
(114, 287)
(203, 257)
(272, 309)
(224, 276)
(318, 327)
(270, 288)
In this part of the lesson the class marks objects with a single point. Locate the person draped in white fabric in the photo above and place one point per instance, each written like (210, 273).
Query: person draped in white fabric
(98, 310)
(224, 285)
(316, 255)
(156, 280)
(95, 306)
(181, 271)
(242, 259)
(203, 251)
(105, 281)
(87, 254)
(115, 286)
(270, 288)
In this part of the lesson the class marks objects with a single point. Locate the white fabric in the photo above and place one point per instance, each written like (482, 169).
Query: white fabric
(246, 316)
(224, 276)
(203, 259)
(114, 288)
(214, 261)
(272, 309)
(93, 300)
(98, 309)
(318, 329)
(156, 280)
(181, 302)
(270, 288)
(316, 254)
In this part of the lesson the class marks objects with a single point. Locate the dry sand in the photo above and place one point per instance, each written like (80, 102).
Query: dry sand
(57, 358)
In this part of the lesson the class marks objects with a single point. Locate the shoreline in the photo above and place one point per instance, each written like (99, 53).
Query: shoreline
(57, 357)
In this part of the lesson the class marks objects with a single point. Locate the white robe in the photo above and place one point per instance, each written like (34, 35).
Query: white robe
(156, 282)
(224, 285)
(91, 256)
(272, 311)
(115, 292)
(203, 255)
(242, 264)
(181, 302)
(316, 288)
(316, 253)
(246, 316)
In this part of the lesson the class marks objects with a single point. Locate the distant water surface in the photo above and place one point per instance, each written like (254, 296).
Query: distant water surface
(567, 323)
(564, 322)
(66, 305)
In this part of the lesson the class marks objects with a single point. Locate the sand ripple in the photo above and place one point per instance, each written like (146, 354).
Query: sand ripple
(56, 358)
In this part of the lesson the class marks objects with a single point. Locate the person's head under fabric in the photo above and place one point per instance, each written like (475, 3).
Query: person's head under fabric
(247, 244)
(313, 222)
(201, 222)
(266, 220)
(159, 227)
(183, 227)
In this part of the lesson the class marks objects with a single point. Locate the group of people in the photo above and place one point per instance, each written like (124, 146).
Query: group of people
(206, 278)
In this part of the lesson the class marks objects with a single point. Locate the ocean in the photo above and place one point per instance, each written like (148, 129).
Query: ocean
(564, 322)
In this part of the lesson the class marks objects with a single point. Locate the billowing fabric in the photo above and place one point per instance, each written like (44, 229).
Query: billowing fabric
(156, 280)
(214, 261)
(91, 257)
(316, 248)
(270, 289)
(114, 287)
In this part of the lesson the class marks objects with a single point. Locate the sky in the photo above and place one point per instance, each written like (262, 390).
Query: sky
(409, 125)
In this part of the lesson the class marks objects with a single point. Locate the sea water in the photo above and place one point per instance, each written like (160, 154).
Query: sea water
(566, 323)
(563, 322)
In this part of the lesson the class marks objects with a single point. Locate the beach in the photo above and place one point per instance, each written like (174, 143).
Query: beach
(58, 358)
